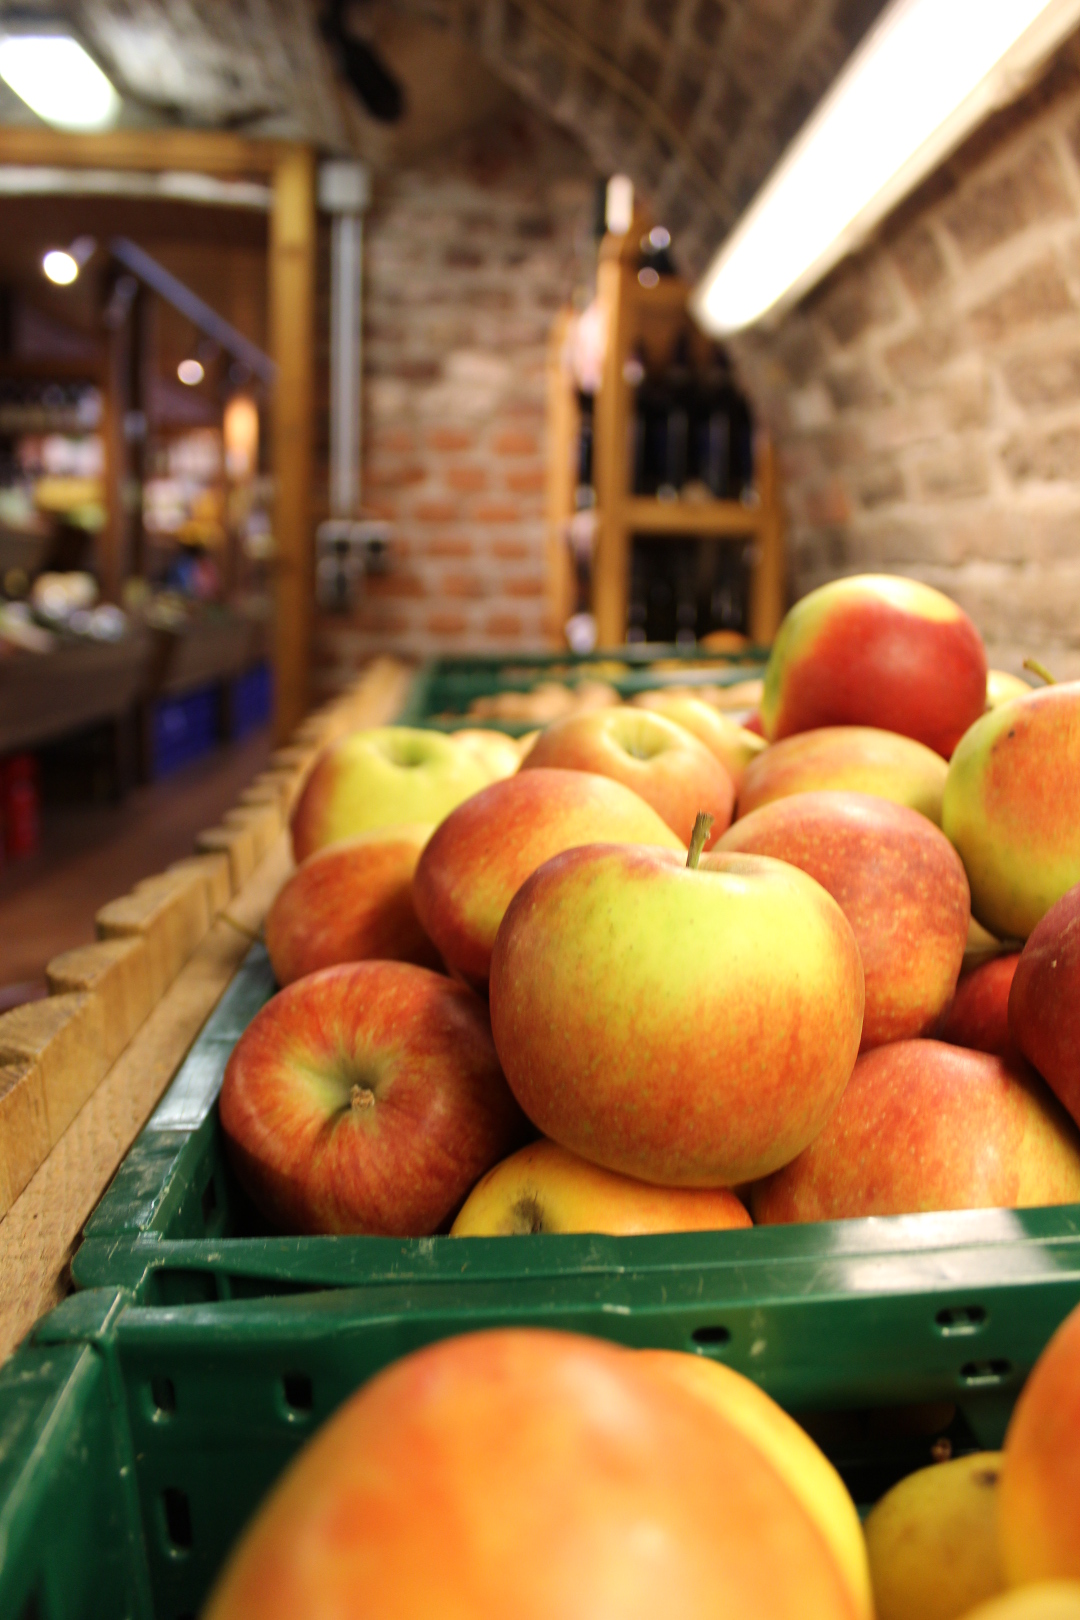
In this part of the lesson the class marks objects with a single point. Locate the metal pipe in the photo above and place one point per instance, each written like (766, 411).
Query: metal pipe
(345, 363)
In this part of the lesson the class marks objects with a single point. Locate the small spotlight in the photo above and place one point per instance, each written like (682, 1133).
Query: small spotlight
(60, 266)
(190, 372)
(659, 237)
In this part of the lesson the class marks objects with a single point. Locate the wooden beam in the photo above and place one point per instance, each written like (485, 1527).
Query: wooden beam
(767, 576)
(147, 150)
(292, 340)
(562, 456)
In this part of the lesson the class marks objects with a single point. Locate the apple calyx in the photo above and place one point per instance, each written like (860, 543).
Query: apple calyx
(1040, 670)
(361, 1097)
(702, 822)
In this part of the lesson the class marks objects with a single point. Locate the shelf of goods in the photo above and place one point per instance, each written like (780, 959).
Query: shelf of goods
(147, 1414)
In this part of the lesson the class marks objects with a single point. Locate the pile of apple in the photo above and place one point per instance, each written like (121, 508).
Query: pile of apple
(569, 992)
(548, 1476)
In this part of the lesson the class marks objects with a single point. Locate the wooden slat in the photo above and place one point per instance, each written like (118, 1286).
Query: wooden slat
(264, 821)
(204, 152)
(24, 1128)
(63, 1039)
(170, 912)
(642, 514)
(237, 844)
(217, 875)
(118, 972)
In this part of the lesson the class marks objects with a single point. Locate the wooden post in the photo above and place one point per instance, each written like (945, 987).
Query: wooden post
(292, 341)
(767, 575)
(562, 431)
(611, 450)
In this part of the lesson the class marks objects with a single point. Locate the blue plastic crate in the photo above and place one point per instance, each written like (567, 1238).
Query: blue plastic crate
(251, 700)
(184, 729)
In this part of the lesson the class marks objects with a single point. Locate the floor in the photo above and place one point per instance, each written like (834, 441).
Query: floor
(91, 854)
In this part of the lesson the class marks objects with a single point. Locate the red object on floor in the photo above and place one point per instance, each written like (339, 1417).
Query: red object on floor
(22, 807)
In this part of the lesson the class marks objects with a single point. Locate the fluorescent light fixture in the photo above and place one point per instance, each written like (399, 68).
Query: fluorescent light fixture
(60, 266)
(190, 372)
(926, 75)
(58, 80)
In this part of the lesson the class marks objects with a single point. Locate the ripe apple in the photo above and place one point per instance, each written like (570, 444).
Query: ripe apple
(978, 1015)
(366, 1098)
(852, 759)
(351, 902)
(727, 741)
(1012, 807)
(543, 1188)
(486, 848)
(876, 650)
(789, 1448)
(1044, 1003)
(1039, 1519)
(1042, 1600)
(933, 1540)
(532, 1474)
(497, 753)
(925, 1126)
(662, 763)
(688, 1027)
(381, 778)
(1001, 687)
(899, 883)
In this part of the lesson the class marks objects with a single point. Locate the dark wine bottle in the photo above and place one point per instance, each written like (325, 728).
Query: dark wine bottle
(679, 394)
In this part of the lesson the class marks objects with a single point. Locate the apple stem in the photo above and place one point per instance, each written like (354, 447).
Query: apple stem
(361, 1097)
(703, 821)
(1041, 670)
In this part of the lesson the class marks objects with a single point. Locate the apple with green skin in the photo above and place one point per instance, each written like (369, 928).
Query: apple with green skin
(498, 754)
(532, 1474)
(1012, 808)
(978, 1015)
(482, 853)
(876, 650)
(544, 1188)
(351, 902)
(660, 762)
(899, 883)
(924, 1126)
(852, 759)
(727, 741)
(381, 778)
(1039, 1514)
(688, 1027)
(1044, 1002)
(366, 1098)
(1001, 687)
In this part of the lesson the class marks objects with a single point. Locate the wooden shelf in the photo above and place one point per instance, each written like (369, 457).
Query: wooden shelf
(643, 514)
(669, 294)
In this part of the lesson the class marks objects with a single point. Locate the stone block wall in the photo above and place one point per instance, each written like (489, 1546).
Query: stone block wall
(467, 261)
(926, 399)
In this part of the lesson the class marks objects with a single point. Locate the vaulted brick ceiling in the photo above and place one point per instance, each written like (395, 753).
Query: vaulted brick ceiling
(695, 99)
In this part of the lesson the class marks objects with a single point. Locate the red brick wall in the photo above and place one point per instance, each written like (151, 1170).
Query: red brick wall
(467, 261)
(926, 399)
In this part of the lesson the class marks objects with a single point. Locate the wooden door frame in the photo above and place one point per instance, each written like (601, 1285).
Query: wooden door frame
(290, 168)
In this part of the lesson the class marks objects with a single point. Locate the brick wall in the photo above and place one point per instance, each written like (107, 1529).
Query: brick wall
(926, 399)
(467, 261)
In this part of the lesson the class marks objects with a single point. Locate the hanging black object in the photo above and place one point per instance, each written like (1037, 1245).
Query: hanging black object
(364, 69)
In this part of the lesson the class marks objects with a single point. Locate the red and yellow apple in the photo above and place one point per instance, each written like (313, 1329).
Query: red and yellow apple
(538, 1475)
(350, 902)
(497, 753)
(924, 1126)
(482, 853)
(899, 883)
(381, 778)
(692, 1028)
(660, 762)
(933, 1540)
(544, 1188)
(727, 741)
(847, 759)
(1044, 1001)
(978, 1015)
(1001, 687)
(1012, 808)
(876, 650)
(366, 1098)
(1039, 1519)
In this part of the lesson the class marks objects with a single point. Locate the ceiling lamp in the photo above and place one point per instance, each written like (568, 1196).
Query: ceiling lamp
(190, 372)
(927, 74)
(60, 266)
(57, 79)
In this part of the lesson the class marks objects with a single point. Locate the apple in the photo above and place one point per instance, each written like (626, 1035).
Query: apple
(1044, 1003)
(727, 741)
(789, 1448)
(662, 763)
(381, 778)
(1042, 1600)
(535, 1475)
(899, 883)
(543, 1188)
(978, 1015)
(366, 1098)
(925, 1126)
(1012, 807)
(876, 650)
(486, 848)
(350, 902)
(933, 1540)
(1039, 1518)
(853, 759)
(1001, 687)
(497, 753)
(692, 1028)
